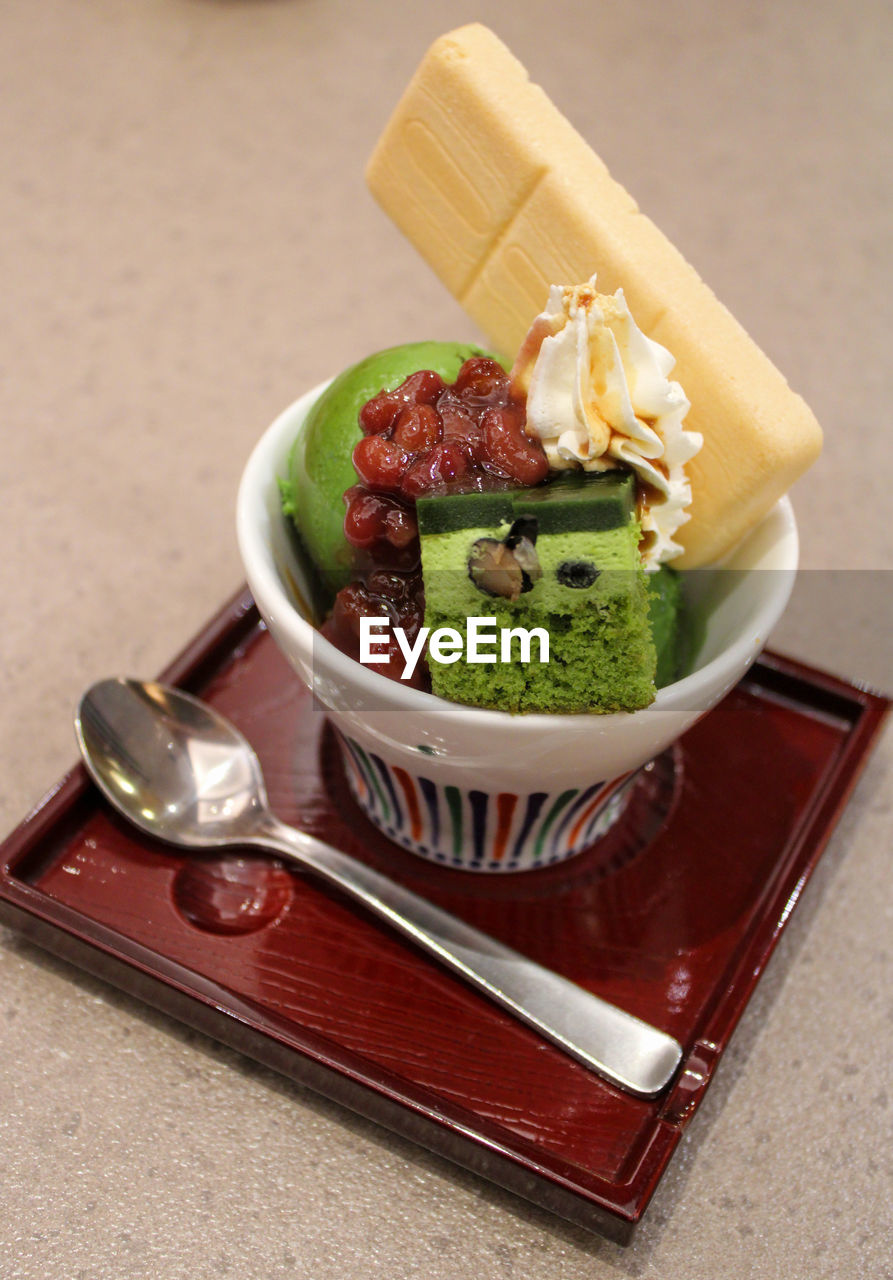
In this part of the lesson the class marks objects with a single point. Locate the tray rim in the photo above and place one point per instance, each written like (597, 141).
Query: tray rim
(189, 997)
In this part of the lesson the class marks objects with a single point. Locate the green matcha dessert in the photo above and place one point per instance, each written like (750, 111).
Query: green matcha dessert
(501, 539)
(559, 561)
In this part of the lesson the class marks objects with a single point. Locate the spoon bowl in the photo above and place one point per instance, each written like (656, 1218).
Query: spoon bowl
(182, 773)
(170, 764)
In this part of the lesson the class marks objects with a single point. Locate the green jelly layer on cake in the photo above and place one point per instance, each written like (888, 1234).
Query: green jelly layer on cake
(583, 584)
(665, 605)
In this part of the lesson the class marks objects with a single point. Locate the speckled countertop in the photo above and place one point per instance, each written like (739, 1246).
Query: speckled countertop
(188, 244)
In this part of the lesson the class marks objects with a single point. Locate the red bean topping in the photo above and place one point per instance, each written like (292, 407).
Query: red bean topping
(435, 470)
(457, 419)
(363, 523)
(380, 463)
(418, 428)
(420, 388)
(401, 590)
(400, 528)
(459, 424)
(352, 603)
(481, 377)
(510, 450)
(422, 437)
(379, 414)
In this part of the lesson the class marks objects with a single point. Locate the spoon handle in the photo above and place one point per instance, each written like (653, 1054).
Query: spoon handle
(630, 1053)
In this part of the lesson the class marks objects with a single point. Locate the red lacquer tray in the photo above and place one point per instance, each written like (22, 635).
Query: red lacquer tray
(673, 916)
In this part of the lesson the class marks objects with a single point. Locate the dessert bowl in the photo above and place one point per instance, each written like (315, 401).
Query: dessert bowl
(482, 789)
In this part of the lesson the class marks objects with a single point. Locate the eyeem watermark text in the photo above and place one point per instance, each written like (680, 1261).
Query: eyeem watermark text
(483, 642)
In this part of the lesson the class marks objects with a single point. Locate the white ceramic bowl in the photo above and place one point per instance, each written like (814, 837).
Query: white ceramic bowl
(484, 789)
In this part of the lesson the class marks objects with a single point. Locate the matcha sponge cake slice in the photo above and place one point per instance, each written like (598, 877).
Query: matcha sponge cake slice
(557, 573)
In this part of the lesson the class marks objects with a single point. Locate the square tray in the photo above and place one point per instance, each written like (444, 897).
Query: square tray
(673, 916)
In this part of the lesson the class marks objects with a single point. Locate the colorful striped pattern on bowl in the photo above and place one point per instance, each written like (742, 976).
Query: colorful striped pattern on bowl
(472, 829)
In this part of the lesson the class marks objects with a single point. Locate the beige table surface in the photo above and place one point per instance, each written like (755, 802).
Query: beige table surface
(187, 244)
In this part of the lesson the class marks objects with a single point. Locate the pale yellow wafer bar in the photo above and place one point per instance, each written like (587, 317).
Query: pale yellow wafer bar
(503, 198)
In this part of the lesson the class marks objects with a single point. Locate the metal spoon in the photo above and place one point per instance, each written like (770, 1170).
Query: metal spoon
(181, 772)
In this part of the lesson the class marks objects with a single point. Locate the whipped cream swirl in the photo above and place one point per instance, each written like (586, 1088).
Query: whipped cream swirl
(599, 397)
